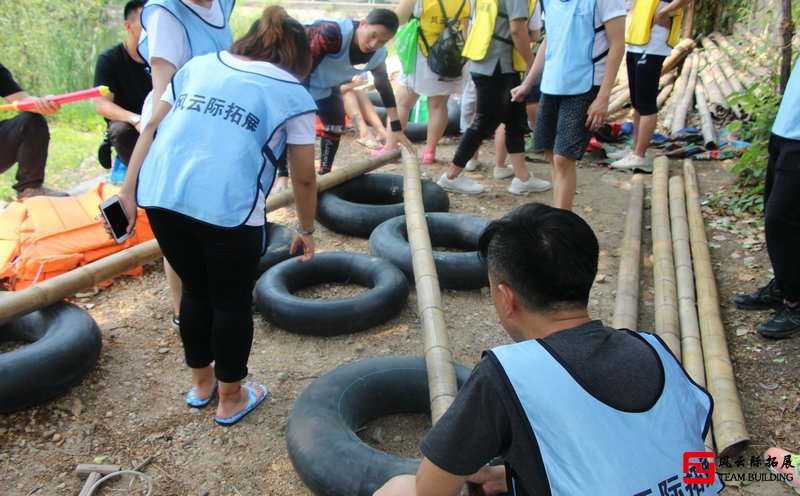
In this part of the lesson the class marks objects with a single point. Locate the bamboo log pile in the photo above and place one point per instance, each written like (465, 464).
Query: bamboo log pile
(717, 102)
(730, 432)
(442, 383)
(677, 95)
(18, 303)
(715, 57)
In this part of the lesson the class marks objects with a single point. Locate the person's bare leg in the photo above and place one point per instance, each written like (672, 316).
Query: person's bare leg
(203, 381)
(531, 108)
(175, 287)
(370, 116)
(233, 398)
(437, 120)
(644, 133)
(518, 163)
(636, 124)
(500, 153)
(353, 111)
(401, 485)
(565, 181)
(406, 98)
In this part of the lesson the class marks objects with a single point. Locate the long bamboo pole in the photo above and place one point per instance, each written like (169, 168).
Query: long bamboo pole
(706, 124)
(725, 87)
(730, 432)
(18, 303)
(691, 347)
(716, 100)
(626, 303)
(666, 297)
(665, 92)
(716, 56)
(438, 357)
(681, 111)
(677, 96)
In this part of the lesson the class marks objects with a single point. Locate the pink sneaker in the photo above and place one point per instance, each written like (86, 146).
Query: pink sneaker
(428, 156)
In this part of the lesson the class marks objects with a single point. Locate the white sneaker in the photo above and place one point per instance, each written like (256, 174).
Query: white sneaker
(532, 185)
(503, 172)
(631, 162)
(472, 165)
(619, 154)
(460, 184)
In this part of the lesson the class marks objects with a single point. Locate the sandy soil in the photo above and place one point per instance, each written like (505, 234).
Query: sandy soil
(130, 407)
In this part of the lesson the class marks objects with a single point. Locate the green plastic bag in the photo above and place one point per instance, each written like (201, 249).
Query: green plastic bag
(405, 42)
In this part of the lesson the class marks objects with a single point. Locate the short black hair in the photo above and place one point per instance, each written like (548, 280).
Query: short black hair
(385, 17)
(132, 6)
(547, 255)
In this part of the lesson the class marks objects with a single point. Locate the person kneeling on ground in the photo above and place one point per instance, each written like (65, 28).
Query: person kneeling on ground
(24, 139)
(572, 406)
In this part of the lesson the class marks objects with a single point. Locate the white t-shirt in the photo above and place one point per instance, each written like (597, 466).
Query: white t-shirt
(166, 39)
(299, 130)
(658, 39)
(605, 10)
(535, 23)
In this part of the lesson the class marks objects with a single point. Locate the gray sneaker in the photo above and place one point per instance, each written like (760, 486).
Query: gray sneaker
(503, 172)
(532, 185)
(460, 184)
(472, 165)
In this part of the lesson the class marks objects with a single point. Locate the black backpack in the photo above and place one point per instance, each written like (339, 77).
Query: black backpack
(444, 56)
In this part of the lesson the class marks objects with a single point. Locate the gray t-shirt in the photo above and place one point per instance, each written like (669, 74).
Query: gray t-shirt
(616, 366)
(500, 51)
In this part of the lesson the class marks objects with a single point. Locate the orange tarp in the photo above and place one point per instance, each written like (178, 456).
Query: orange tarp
(44, 236)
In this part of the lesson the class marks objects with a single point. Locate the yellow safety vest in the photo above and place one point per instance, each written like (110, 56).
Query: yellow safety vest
(431, 20)
(482, 32)
(642, 23)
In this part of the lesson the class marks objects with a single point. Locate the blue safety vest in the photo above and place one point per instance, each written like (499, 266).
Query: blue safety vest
(568, 66)
(203, 37)
(787, 122)
(211, 154)
(335, 69)
(588, 447)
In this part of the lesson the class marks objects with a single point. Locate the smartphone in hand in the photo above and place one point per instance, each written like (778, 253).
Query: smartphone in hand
(114, 214)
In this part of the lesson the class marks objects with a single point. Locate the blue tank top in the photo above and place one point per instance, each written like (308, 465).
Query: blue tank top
(203, 37)
(212, 153)
(568, 66)
(335, 69)
(787, 122)
(588, 447)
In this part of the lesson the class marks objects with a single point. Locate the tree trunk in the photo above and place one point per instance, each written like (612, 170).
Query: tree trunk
(787, 32)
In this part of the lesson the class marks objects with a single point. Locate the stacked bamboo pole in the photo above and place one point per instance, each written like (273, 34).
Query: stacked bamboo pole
(18, 303)
(438, 357)
(626, 303)
(716, 100)
(730, 432)
(677, 96)
(666, 298)
(685, 102)
(707, 125)
(715, 57)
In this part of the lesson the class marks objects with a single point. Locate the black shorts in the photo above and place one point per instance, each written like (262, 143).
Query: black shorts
(644, 71)
(561, 123)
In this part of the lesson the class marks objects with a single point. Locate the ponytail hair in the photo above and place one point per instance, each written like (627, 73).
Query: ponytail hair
(279, 39)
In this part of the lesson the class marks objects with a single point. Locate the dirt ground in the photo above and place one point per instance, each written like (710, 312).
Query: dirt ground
(130, 407)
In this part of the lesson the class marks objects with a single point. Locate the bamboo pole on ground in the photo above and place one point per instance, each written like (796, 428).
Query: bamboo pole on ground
(18, 303)
(619, 100)
(706, 124)
(666, 297)
(691, 347)
(665, 92)
(730, 432)
(681, 111)
(626, 303)
(725, 87)
(716, 100)
(677, 96)
(438, 357)
(734, 54)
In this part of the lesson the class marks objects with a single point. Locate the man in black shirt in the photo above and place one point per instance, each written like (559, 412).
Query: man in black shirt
(572, 406)
(24, 139)
(124, 72)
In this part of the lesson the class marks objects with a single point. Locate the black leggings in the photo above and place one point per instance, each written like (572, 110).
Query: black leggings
(782, 214)
(218, 269)
(494, 107)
